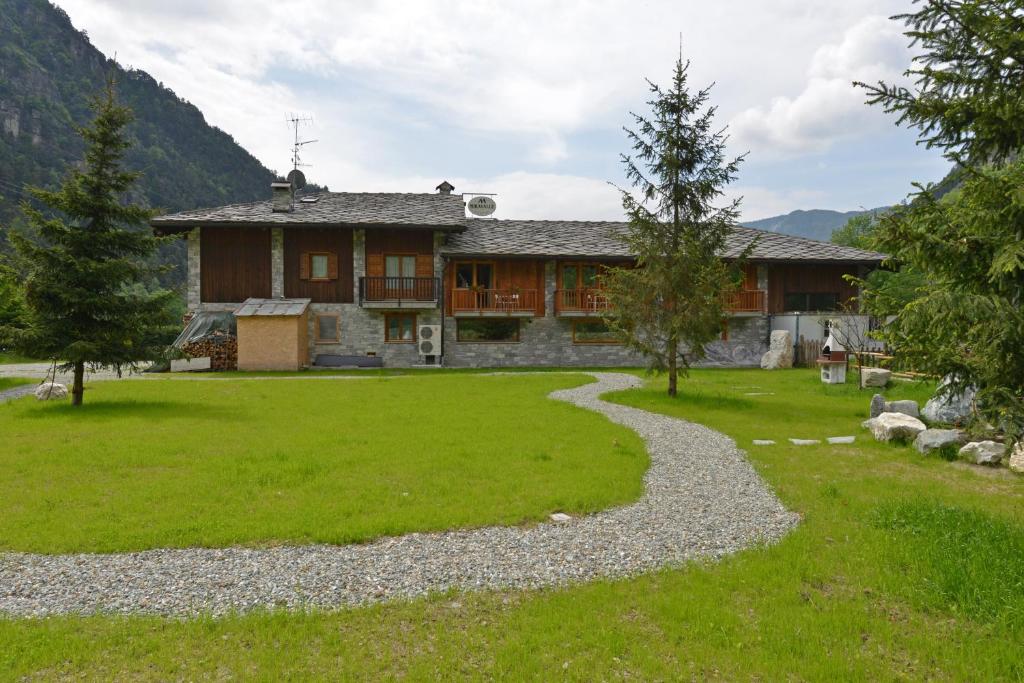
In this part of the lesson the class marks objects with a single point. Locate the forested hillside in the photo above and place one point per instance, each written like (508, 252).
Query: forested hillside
(49, 71)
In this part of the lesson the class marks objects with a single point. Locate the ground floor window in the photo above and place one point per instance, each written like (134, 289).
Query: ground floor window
(400, 327)
(487, 330)
(814, 301)
(327, 329)
(593, 332)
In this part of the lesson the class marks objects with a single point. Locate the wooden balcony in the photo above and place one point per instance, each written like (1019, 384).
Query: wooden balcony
(398, 292)
(512, 302)
(747, 301)
(580, 303)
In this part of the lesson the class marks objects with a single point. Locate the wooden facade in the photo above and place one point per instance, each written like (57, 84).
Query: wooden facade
(336, 243)
(234, 264)
(398, 242)
(810, 278)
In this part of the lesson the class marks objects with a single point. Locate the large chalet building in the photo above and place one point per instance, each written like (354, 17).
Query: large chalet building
(409, 279)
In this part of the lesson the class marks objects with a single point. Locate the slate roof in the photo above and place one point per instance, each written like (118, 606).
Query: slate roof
(433, 210)
(272, 307)
(596, 239)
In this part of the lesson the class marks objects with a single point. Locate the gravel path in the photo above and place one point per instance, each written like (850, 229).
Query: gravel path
(702, 499)
(17, 392)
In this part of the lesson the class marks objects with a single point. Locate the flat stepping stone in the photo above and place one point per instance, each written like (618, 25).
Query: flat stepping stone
(841, 439)
(759, 393)
(804, 442)
(560, 518)
(763, 442)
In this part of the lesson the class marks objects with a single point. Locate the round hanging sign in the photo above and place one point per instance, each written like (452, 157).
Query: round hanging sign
(481, 206)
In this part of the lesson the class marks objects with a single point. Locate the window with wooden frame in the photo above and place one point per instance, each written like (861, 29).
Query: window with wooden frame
(400, 265)
(579, 276)
(318, 266)
(593, 332)
(474, 275)
(487, 330)
(812, 301)
(400, 327)
(327, 329)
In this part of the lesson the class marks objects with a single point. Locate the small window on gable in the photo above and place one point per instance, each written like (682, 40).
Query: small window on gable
(327, 328)
(318, 266)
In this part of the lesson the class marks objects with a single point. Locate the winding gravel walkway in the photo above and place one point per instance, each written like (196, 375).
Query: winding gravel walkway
(702, 499)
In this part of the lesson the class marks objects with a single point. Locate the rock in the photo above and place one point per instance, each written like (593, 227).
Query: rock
(894, 427)
(950, 409)
(906, 407)
(841, 439)
(804, 442)
(1017, 458)
(983, 452)
(875, 377)
(763, 442)
(51, 391)
(931, 439)
(780, 351)
(560, 517)
(877, 405)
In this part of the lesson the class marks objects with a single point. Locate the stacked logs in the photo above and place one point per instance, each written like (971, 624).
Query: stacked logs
(220, 346)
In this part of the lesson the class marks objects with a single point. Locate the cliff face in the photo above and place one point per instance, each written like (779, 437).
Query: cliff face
(48, 73)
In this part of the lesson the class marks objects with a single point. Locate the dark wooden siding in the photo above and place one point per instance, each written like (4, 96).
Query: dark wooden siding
(807, 278)
(299, 241)
(398, 242)
(234, 264)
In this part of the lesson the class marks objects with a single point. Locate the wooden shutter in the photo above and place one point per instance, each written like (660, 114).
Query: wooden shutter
(332, 265)
(375, 265)
(424, 265)
(304, 265)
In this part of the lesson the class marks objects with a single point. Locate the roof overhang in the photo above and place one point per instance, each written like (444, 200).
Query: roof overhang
(175, 227)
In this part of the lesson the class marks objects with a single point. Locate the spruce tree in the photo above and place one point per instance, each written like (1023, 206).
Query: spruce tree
(88, 250)
(672, 304)
(966, 321)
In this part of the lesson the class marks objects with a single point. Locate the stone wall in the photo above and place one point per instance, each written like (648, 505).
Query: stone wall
(194, 295)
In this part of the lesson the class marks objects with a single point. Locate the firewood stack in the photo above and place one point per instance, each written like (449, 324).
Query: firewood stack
(220, 346)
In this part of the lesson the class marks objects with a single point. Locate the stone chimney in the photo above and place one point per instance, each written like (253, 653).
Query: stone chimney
(445, 187)
(282, 194)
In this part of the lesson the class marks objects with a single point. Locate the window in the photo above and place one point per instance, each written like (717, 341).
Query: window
(474, 274)
(400, 327)
(816, 301)
(319, 266)
(593, 332)
(579, 276)
(327, 329)
(400, 266)
(487, 330)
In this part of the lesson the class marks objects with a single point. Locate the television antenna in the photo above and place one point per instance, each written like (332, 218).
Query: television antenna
(295, 121)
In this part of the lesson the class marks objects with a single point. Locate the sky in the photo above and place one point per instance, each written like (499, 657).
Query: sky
(528, 99)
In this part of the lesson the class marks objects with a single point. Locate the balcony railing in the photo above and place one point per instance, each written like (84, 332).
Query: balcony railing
(494, 301)
(399, 291)
(746, 301)
(580, 301)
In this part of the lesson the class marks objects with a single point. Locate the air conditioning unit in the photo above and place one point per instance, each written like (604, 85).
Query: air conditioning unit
(429, 340)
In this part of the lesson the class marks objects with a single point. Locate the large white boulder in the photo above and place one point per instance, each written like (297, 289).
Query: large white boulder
(875, 377)
(1017, 458)
(51, 391)
(950, 409)
(931, 439)
(894, 427)
(780, 351)
(983, 452)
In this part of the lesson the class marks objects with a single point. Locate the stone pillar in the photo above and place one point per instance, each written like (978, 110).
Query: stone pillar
(277, 262)
(550, 285)
(358, 259)
(194, 295)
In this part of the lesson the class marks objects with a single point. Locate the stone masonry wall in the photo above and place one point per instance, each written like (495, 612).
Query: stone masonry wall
(194, 295)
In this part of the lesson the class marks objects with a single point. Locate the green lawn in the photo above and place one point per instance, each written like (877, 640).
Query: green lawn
(11, 382)
(904, 567)
(11, 358)
(159, 463)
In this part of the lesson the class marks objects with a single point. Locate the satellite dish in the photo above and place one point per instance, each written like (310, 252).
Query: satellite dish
(481, 206)
(297, 178)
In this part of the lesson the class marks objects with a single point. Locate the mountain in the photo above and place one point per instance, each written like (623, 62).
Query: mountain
(48, 73)
(817, 224)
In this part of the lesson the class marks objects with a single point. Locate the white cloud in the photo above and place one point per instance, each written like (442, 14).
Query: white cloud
(829, 108)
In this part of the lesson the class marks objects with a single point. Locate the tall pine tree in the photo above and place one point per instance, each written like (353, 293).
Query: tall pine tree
(88, 251)
(671, 305)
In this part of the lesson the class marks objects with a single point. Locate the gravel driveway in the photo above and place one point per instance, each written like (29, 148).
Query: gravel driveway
(702, 499)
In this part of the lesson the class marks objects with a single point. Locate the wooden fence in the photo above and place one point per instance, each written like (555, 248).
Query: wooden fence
(807, 352)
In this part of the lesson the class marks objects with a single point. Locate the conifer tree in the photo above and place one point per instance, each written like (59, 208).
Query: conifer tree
(88, 250)
(672, 304)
